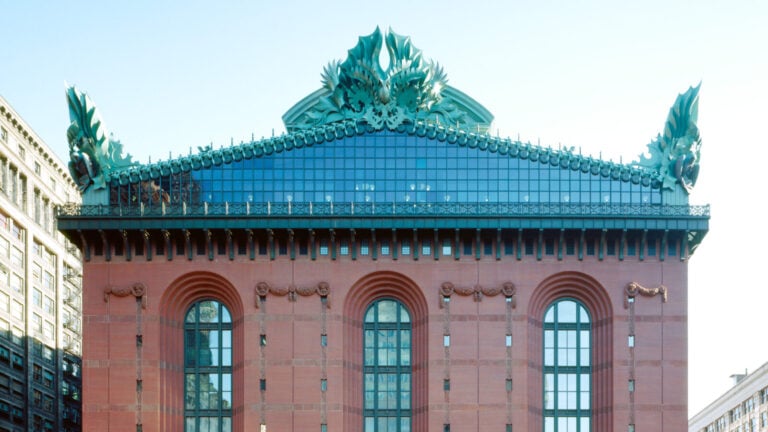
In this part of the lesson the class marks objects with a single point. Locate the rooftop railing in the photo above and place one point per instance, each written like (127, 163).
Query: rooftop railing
(330, 209)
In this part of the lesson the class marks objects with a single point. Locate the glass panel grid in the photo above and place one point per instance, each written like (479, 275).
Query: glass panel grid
(567, 367)
(387, 368)
(385, 167)
(208, 368)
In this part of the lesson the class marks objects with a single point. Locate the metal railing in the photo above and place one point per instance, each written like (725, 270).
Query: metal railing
(330, 209)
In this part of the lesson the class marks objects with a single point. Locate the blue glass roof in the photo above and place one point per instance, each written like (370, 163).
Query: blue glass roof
(422, 165)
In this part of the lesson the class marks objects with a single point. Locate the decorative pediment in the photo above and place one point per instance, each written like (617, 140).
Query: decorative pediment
(409, 89)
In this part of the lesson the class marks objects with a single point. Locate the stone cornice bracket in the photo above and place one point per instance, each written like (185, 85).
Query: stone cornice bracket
(634, 288)
(508, 289)
(322, 289)
(137, 290)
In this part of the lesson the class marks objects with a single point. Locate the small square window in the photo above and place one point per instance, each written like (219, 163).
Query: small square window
(446, 247)
(405, 247)
(426, 247)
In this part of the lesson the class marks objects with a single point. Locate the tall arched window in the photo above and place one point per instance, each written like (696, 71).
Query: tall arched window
(387, 367)
(567, 367)
(208, 368)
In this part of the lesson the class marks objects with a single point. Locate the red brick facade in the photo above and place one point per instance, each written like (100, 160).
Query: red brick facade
(134, 356)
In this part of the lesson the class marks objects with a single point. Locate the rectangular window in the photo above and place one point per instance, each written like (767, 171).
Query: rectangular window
(509, 384)
(48, 330)
(364, 249)
(405, 247)
(344, 247)
(487, 247)
(49, 282)
(446, 385)
(17, 258)
(263, 384)
(37, 297)
(17, 310)
(426, 247)
(446, 340)
(631, 341)
(323, 246)
(323, 385)
(323, 340)
(508, 341)
(385, 247)
(37, 324)
(446, 247)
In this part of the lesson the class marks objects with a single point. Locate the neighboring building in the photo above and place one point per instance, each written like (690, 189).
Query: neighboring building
(40, 284)
(385, 266)
(743, 408)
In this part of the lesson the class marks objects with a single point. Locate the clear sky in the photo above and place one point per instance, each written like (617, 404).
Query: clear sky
(596, 75)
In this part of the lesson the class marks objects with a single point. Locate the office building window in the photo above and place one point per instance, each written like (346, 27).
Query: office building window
(387, 367)
(208, 368)
(567, 367)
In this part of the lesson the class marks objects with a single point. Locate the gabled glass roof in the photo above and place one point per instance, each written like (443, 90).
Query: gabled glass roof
(427, 165)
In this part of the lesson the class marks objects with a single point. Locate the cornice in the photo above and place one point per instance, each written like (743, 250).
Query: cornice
(30, 138)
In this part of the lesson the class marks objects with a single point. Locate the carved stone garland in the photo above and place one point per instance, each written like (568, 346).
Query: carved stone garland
(634, 288)
(139, 291)
(292, 291)
(508, 289)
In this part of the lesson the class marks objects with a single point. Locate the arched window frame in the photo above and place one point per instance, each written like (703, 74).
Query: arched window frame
(567, 366)
(387, 354)
(208, 411)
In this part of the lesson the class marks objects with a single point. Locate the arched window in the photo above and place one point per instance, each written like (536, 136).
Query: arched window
(567, 367)
(387, 367)
(208, 368)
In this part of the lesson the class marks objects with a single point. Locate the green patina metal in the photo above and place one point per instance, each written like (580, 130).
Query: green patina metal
(93, 154)
(675, 155)
(409, 89)
(410, 96)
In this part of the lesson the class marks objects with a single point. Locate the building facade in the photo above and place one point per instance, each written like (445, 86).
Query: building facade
(743, 408)
(385, 266)
(40, 286)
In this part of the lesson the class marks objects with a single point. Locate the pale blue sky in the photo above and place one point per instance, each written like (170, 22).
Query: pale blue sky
(596, 75)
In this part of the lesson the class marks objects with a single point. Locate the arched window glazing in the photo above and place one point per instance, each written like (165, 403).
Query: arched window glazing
(567, 367)
(208, 368)
(387, 367)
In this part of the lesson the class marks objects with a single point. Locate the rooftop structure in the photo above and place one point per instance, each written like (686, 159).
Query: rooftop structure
(382, 206)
